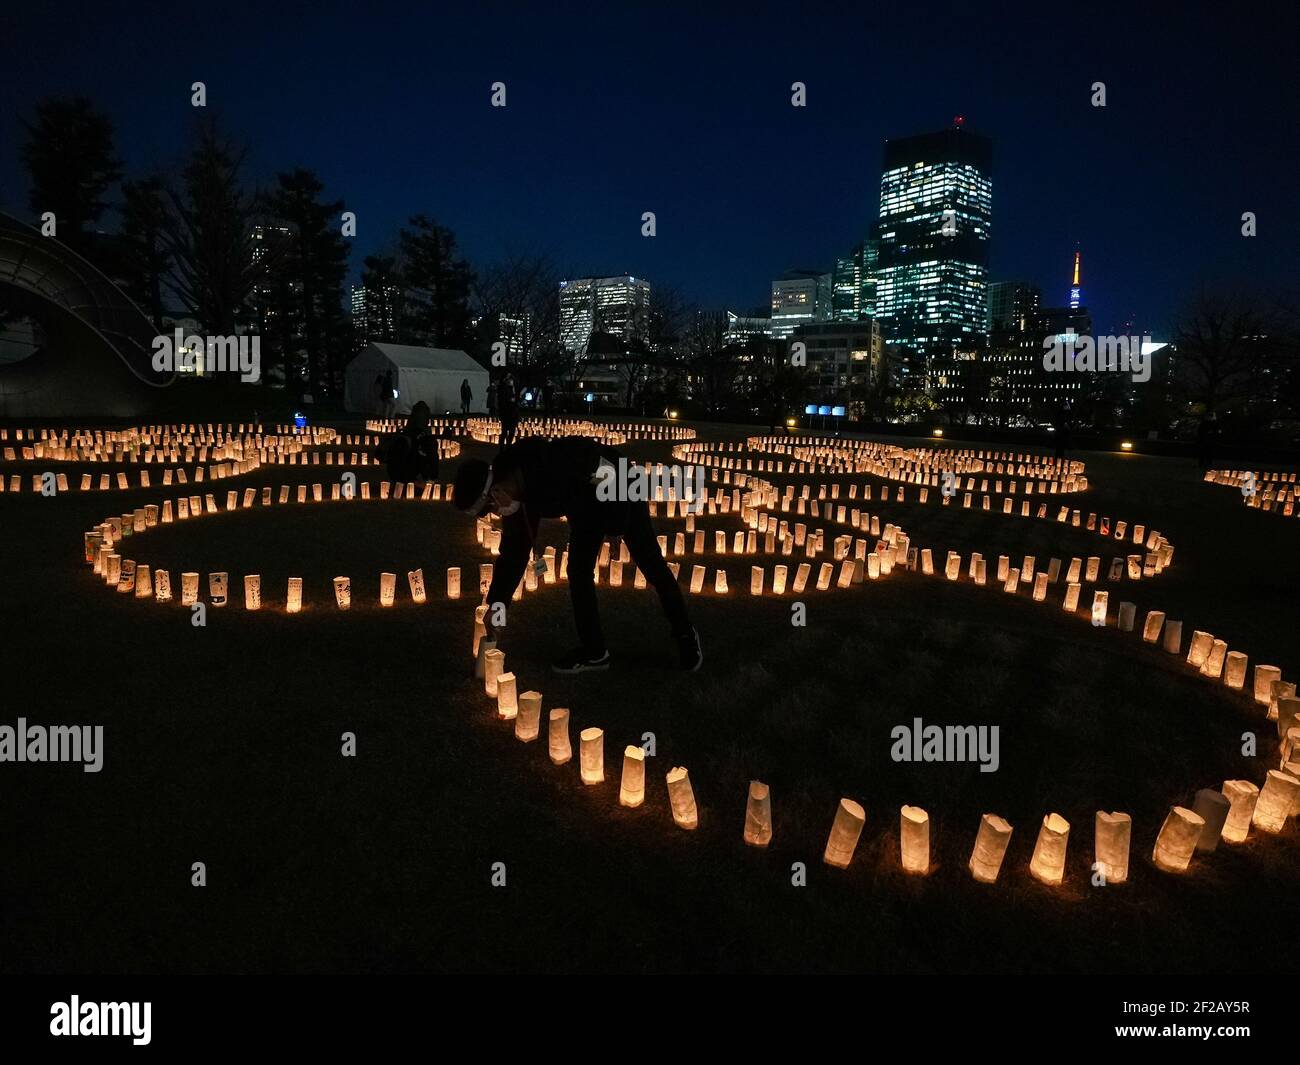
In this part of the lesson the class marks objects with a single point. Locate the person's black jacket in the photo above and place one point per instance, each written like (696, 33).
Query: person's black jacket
(557, 483)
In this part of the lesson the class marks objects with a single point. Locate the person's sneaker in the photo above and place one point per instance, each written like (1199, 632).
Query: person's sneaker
(688, 645)
(580, 661)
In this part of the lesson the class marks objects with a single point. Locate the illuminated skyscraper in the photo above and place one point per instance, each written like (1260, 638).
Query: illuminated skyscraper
(853, 295)
(615, 305)
(933, 234)
(1076, 285)
(799, 298)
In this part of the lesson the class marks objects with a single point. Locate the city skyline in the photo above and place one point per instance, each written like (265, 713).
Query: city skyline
(744, 185)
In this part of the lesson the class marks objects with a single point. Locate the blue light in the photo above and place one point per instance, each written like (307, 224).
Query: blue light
(810, 409)
(838, 412)
(591, 397)
(299, 420)
(823, 410)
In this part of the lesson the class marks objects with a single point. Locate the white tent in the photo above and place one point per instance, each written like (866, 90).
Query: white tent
(430, 374)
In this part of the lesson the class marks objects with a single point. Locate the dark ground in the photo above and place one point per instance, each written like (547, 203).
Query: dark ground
(222, 746)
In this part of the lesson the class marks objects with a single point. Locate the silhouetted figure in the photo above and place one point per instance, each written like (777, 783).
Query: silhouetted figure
(466, 395)
(492, 399)
(508, 410)
(412, 453)
(539, 478)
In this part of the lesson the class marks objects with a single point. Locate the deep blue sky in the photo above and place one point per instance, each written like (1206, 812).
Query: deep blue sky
(683, 109)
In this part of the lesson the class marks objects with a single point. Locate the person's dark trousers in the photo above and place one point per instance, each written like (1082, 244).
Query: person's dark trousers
(587, 530)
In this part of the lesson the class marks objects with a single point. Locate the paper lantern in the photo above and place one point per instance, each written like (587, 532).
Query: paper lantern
(1040, 587)
(1234, 670)
(558, 736)
(758, 815)
(252, 591)
(1199, 649)
(843, 840)
(162, 586)
(591, 750)
(1242, 796)
(697, 579)
(494, 664)
(507, 703)
(293, 598)
(415, 578)
(631, 790)
(1094, 565)
(1151, 627)
(779, 574)
(682, 798)
(218, 585)
(1213, 666)
(1099, 601)
(387, 588)
(755, 580)
(1211, 807)
(1112, 834)
(1173, 643)
(1275, 801)
(1127, 616)
(1264, 678)
(1071, 602)
(528, 721)
(1048, 862)
(1177, 840)
(801, 577)
(720, 582)
(990, 848)
(143, 582)
(484, 577)
(953, 568)
(189, 589)
(343, 592)
(914, 839)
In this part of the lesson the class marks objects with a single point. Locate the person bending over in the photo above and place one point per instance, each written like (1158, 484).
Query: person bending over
(539, 478)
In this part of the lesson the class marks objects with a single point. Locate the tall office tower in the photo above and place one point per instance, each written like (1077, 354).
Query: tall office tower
(853, 286)
(1076, 284)
(1012, 304)
(800, 297)
(933, 232)
(615, 305)
(374, 314)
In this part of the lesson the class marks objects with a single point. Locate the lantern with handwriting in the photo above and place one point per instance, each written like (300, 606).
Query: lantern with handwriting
(189, 589)
(218, 584)
(293, 597)
(415, 578)
(252, 591)
(387, 589)
(343, 592)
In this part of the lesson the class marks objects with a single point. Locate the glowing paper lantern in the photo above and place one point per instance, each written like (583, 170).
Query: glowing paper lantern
(755, 580)
(990, 848)
(162, 586)
(953, 568)
(1099, 601)
(1242, 796)
(1275, 801)
(415, 578)
(720, 582)
(779, 574)
(1212, 808)
(494, 664)
(631, 790)
(1213, 666)
(143, 582)
(343, 592)
(758, 815)
(528, 722)
(843, 840)
(1112, 834)
(697, 579)
(1199, 649)
(1048, 862)
(293, 598)
(387, 588)
(1264, 678)
(1151, 627)
(218, 584)
(801, 577)
(1071, 602)
(914, 839)
(591, 750)
(507, 703)
(1177, 840)
(189, 589)
(1234, 670)
(558, 736)
(1173, 637)
(252, 591)
(682, 798)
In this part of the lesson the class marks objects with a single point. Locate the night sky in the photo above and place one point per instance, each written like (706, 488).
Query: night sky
(614, 110)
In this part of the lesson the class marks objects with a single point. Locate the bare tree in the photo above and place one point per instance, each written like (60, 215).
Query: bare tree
(518, 300)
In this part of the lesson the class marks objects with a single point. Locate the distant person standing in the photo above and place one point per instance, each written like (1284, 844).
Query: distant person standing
(548, 396)
(390, 395)
(492, 399)
(466, 395)
(508, 408)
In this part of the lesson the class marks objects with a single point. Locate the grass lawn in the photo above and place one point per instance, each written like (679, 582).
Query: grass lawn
(223, 746)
